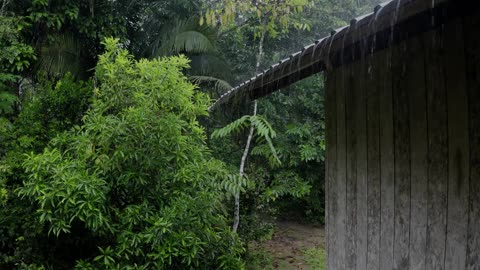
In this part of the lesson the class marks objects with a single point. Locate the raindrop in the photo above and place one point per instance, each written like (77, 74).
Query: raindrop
(300, 56)
(282, 66)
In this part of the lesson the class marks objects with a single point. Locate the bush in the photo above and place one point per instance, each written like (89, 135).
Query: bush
(133, 187)
(50, 109)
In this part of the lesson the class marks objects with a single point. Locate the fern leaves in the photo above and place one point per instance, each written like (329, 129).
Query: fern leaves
(234, 127)
(263, 132)
(235, 184)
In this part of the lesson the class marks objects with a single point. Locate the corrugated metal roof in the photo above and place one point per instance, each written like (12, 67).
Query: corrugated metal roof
(390, 23)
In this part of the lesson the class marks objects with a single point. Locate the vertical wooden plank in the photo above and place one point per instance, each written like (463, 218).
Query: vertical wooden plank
(437, 152)
(361, 166)
(418, 156)
(331, 166)
(373, 165)
(458, 153)
(340, 182)
(401, 85)
(387, 191)
(351, 185)
(472, 49)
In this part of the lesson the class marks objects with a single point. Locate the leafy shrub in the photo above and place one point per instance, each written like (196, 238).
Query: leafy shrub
(15, 57)
(52, 108)
(136, 179)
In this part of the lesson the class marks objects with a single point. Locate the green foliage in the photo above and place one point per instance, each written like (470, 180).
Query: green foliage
(136, 175)
(234, 184)
(187, 36)
(132, 184)
(66, 35)
(61, 55)
(263, 131)
(258, 258)
(274, 16)
(15, 57)
(316, 258)
(298, 112)
(218, 85)
(7, 101)
(287, 183)
(51, 109)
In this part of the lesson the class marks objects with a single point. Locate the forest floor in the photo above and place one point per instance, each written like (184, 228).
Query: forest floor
(295, 246)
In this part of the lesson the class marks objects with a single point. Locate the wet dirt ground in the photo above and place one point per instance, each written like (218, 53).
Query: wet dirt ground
(289, 243)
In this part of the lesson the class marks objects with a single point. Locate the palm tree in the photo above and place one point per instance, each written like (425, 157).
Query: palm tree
(60, 55)
(197, 42)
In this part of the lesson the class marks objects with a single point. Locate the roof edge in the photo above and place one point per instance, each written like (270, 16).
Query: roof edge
(389, 24)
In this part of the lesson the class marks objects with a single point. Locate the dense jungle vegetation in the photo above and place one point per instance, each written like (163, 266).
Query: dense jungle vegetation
(109, 158)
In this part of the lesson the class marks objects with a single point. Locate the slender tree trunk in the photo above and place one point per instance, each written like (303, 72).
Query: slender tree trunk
(4, 5)
(236, 214)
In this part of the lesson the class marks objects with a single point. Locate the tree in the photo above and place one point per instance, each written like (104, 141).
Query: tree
(174, 29)
(51, 110)
(15, 58)
(272, 15)
(136, 177)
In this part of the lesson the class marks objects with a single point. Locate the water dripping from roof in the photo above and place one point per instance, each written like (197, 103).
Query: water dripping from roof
(342, 55)
(299, 60)
(283, 63)
(262, 77)
(372, 27)
(332, 37)
(378, 10)
(395, 15)
(322, 47)
(433, 13)
(342, 51)
(312, 58)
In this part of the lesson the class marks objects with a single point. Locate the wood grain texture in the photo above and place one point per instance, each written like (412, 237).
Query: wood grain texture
(351, 185)
(341, 180)
(361, 166)
(373, 163)
(331, 166)
(472, 50)
(458, 148)
(418, 156)
(401, 85)
(437, 151)
(403, 155)
(387, 183)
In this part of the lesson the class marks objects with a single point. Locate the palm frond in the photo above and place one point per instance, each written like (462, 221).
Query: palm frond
(61, 55)
(192, 42)
(209, 65)
(181, 36)
(218, 84)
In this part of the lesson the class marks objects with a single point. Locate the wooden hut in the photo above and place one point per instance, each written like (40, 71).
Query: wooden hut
(403, 134)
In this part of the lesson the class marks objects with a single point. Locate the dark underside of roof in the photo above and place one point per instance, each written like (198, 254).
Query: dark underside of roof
(389, 24)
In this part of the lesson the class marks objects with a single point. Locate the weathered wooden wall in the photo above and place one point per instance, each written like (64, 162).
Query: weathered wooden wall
(403, 154)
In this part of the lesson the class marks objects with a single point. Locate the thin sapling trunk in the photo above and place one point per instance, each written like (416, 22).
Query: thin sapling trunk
(236, 214)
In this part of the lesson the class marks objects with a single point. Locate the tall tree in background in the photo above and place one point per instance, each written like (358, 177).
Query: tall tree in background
(272, 16)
